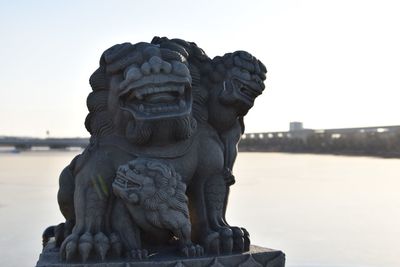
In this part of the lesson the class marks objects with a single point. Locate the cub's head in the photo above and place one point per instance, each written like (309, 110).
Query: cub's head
(152, 184)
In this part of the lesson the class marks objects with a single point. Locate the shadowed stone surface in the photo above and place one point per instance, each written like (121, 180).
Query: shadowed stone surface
(256, 257)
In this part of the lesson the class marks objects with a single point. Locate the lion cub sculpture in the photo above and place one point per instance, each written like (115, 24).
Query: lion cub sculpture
(155, 202)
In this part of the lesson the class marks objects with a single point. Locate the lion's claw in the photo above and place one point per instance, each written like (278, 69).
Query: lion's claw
(116, 245)
(101, 245)
(69, 247)
(246, 239)
(238, 239)
(211, 243)
(84, 245)
(226, 240)
(199, 250)
(192, 250)
(139, 254)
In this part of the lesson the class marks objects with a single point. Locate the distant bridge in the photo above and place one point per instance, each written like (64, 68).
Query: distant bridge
(381, 141)
(22, 143)
(253, 141)
(302, 133)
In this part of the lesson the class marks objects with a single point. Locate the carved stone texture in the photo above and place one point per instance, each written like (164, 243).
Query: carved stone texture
(165, 120)
(256, 257)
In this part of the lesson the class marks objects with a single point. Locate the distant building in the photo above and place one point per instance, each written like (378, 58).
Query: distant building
(295, 126)
(297, 130)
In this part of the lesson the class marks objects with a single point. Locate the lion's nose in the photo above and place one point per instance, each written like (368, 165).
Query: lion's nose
(156, 65)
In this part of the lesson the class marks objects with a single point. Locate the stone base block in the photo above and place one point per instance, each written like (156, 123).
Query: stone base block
(256, 257)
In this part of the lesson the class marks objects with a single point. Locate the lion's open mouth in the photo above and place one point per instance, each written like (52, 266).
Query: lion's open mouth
(247, 92)
(156, 101)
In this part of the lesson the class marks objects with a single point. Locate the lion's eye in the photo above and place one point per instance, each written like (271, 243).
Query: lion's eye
(244, 74)
(132, 184)
(136, 171)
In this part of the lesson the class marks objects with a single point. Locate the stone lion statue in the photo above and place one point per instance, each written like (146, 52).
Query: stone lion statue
(154, 196)
(141, 106)
(160, 101)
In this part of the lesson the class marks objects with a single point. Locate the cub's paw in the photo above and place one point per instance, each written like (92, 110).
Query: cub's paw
(139, 254)
(192, 250)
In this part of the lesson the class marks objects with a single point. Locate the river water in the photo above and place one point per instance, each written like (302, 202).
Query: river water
(321, 210)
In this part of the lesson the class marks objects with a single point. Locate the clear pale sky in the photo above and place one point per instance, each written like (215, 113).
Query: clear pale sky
(330, 63)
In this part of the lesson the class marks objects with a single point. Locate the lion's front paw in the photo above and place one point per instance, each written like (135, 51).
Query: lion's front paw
(81, 246)
(241, 239)
(192, 250)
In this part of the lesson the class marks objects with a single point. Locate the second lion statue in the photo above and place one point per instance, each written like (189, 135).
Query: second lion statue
(154, 106)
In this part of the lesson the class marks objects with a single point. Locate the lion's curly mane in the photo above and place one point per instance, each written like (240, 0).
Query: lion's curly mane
(101, 121)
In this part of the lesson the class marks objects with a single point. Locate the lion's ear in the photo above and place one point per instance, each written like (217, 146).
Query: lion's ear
(133, 198)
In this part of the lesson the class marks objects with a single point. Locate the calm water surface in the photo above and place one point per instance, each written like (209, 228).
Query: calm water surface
(329, 211)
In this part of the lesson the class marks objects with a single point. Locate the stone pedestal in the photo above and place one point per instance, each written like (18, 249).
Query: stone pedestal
(256, 257)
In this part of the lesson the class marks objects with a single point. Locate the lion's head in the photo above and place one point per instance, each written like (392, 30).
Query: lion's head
(242, 77)
(140, 90)
(152, 184)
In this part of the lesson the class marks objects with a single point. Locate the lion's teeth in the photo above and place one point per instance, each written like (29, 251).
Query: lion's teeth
(141, 107)
(139, 95)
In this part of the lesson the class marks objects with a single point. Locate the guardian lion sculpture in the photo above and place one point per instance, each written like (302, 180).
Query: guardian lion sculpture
(168, 108)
